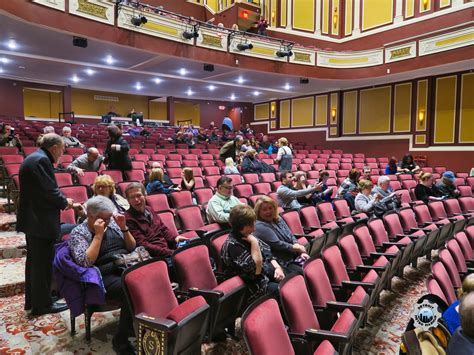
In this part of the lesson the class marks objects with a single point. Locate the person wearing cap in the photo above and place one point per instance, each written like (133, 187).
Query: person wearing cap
(446, 185)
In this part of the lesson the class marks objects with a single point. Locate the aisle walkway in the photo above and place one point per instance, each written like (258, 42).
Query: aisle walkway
(49, 334)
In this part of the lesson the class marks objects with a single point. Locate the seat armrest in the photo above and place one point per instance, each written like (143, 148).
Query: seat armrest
(307, 236)
(210, 296)
(320, 335)
(340, 306)
(158, 323)
(341, 224)
(466, 215)
(413, 230)
(387, 255)
(378, 269)
(353, 284)
(389, 244)
(452, 219)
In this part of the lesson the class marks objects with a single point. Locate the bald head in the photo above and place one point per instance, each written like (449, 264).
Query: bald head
(466, 313)
(92, 154)
(468, 284)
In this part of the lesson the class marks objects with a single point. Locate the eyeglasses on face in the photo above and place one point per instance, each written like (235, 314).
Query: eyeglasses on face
(228, 188)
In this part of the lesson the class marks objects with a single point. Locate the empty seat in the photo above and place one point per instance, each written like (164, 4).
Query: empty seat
(135, 175)
(78, 193)
(442, 278)
(116, 175)
(203, 195)
(63, 179)
(181, 198)
(190, 218)
(158, 202)
(243, 190)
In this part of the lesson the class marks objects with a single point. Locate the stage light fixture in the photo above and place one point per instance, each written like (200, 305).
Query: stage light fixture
(191, 34)
(138, 20)
(282, 53)
(244, 46)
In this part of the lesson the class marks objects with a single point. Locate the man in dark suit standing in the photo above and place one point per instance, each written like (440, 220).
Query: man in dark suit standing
(38, 217)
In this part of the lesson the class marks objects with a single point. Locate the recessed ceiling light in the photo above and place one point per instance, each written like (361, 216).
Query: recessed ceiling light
(4, 60)
(90, 72)
(21, 67)
(183, 71)
(75, 78)
(157, 80)
(189, 92)
(232, 97)
(240, 80)
(138, 86)
(211, 87)
(109, 60)
(12, 44)
(1, 70)
(256, 93)
(287, 86)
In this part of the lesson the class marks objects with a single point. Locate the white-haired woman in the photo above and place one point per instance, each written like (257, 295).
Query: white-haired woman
(96, 242)
(69, 140)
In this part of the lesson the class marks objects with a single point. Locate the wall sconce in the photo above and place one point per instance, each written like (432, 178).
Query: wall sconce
(421, 117)
(334, 18)
(273, 15)
(272, 110)
(425, 4)
(333, 114)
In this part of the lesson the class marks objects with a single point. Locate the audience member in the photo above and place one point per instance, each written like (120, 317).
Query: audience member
(326, 192)
(392, 167)
(301, 183)
(383, 186)
(284, 157)
(134, 130)
(408, 166)
(425, 190)
(262, 25)
(248, 257)
(274, 231)
(38, 217)
(462, 342)
(250, 164)
(231, 149)
(288, 196)
(116, 154)
(90, 161)
(48, 129)
(264, 144)
(166, 179)
(364, 202)
(104, 185)
(348, 188)
(365, 173)
(246, 146)
(8, 138)
(69, 140)
(221, 204)
(100, 239)
(446, 187)
(187, 179)
(451, 315)
(230, 167)
(146, 226)
(156, 183)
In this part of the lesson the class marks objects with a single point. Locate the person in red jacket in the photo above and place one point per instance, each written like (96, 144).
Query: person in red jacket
(146, 226)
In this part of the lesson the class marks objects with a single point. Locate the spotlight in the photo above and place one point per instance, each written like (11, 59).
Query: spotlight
(208, 67)
(284, 53)
(79, 42)
(304, 81)
(244, 46)
(138, 20)
(191, 34)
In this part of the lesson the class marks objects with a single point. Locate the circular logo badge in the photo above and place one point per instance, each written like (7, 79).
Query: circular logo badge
(426, 315)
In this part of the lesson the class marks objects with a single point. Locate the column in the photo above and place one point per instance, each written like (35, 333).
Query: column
(170, 110)
(398, 11)
(356, 30)
(317, 29)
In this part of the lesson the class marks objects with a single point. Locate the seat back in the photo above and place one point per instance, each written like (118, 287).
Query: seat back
(364, 240)
(442, 277)
(203, 195)
(318, 283)
(267, 177)
(167, 217)
(190, 217)
(452, 207)
(88, 178)
(309, 217)
(408, 220)
(325, 212)
(392, 221)
(437, 209)
(250, 178)
(434, 288)
(335, 266)
(262, 188)
(63, 179)
(187, 261)
(78, 193)
(150, 279)
(467, 204)
(342, 209)
(378, 231)
(422, 214)
(297, 304)
(292, 219)
(243, 190)
(158, 202)
(217, 241)
(67, 216)
(263, 329)
(349, 249)
(135, 175)
(450, 265)
(465, 246)
(457, 255)
(181, 198)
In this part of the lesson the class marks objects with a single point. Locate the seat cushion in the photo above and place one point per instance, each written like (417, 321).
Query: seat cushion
(344, 322)
(186, 308)
(357, 296)
(229, 285)
(381, 261)
(371, 277)
(392, 250)
(325, 348)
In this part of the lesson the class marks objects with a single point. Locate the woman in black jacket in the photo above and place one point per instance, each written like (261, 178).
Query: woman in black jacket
(250, 164)
(116, 154)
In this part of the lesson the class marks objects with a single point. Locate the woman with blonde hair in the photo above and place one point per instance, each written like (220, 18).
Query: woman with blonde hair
(425, 190)
(364, 201)
(274, 231)
(104, 185)
(156, 183)
(230, 167)
(187, 182)
(284, 156)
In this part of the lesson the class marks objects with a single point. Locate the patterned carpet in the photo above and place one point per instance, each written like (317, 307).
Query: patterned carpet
(49, 334)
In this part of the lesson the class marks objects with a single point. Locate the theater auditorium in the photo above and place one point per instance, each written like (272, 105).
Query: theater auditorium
(265, 177)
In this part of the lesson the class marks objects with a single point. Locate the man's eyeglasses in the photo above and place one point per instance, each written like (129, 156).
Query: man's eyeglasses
(228, 188)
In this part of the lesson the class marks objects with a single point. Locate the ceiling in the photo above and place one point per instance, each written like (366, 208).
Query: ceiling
(47, 56)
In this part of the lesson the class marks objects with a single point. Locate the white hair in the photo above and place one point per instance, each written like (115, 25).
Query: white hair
(67, 129)
(383, 179)
(48, 129)
(99, 204)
